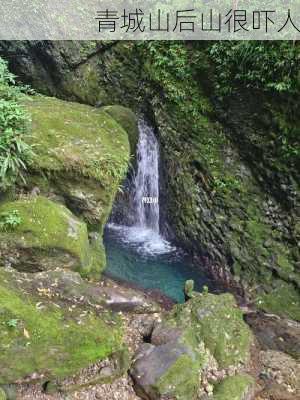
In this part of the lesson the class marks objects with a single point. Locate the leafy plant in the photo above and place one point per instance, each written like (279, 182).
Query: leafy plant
(12, 323)
(10, 220)
(14, 121)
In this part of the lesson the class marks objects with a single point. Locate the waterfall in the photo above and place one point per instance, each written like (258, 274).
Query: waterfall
(139, 228)
(146, 180)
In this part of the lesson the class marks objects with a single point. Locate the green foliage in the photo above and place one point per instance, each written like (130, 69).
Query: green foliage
(10, 220)
(172, 65)
(269, 66)
(14, 152)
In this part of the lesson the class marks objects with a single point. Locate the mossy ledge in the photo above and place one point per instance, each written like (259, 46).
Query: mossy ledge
(49, 235)
(50, 342)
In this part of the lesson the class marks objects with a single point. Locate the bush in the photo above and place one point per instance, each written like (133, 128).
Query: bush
(262, 65)
(14, 121)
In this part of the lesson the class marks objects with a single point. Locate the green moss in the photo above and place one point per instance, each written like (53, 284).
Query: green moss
(283, 300)
(49, 235)
(234, 388)
(50, 342)
(284, 263)
(181, 379)
(127, 119)
(218, 322)
(77, 138)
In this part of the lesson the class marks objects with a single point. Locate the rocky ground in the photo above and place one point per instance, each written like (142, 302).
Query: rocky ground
(191, 336)
(120, 389)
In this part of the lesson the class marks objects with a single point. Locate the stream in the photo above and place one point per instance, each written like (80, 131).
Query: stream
(137, 253)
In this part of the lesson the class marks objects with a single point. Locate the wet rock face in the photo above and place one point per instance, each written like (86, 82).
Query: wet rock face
(204, 338)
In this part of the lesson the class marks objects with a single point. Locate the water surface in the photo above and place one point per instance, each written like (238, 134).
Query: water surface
(142, 257)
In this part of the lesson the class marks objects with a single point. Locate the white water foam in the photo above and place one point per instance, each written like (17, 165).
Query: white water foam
(145, 241)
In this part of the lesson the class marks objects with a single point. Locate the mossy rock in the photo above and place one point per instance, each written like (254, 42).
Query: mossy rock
(170, 370)
(205, 333)
(218, 322)
(81, 154)
(127, 119)
(239, 387)
(182, 378)
(41, 341)
(48, 236)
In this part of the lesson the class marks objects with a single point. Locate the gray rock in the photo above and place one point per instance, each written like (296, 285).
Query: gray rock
(163, 334)
(150, 367)
(274, 333)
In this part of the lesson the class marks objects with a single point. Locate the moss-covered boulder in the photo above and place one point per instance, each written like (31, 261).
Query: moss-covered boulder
(205, 334)
(47, 235)
(219, 324)
(81, 155)
(42, 340)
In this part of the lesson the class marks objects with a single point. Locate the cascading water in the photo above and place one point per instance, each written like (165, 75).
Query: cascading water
(146, 182)
(144, 232)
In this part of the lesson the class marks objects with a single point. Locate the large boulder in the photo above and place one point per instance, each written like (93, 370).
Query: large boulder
(219, 323)
(81, 154)
(207, 334)
(46, 236)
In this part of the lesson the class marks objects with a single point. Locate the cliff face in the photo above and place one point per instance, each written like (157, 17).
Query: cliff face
(230, 185)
